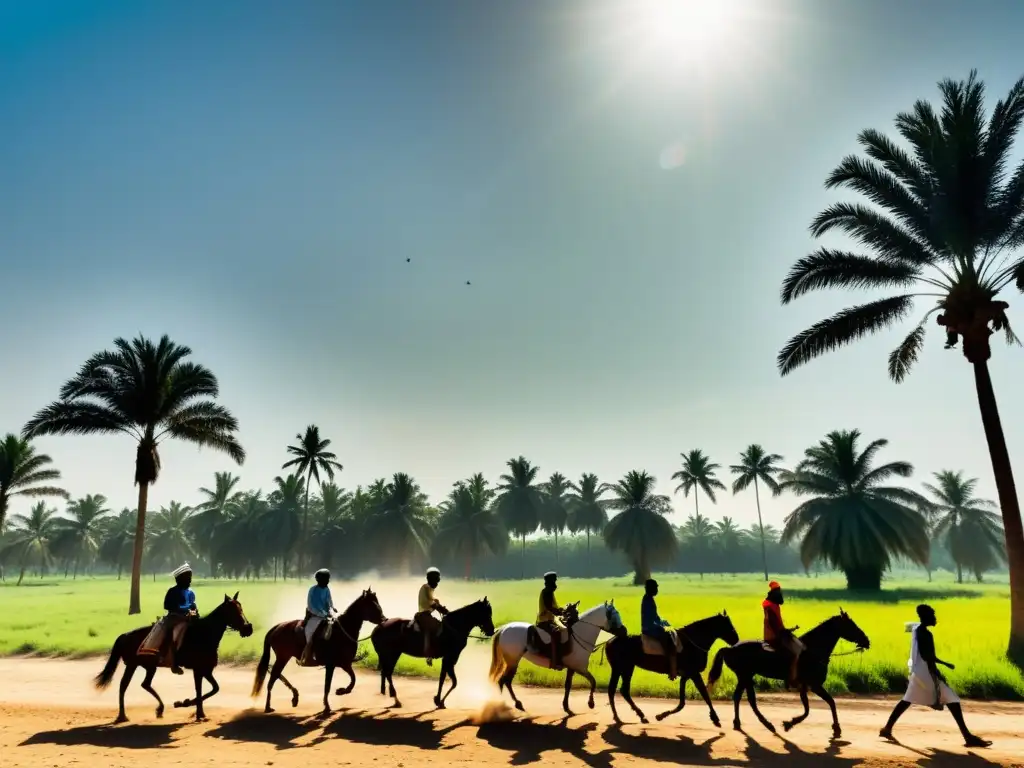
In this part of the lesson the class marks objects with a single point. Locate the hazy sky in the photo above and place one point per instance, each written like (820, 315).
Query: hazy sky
(250, 178)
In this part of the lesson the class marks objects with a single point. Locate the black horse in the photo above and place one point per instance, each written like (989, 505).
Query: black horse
(397, 636)
(626, 654)
(752, 658)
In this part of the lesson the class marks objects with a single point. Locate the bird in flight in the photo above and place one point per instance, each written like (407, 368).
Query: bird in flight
(468, 283)
(408, 260)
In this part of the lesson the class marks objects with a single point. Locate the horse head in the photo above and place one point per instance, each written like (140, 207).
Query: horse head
(369, 607)
(236, 616)
(724, 630)
(482, 617)
(613, 621)
(848, 630)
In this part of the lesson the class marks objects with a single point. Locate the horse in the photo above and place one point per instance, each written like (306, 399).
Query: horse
(288, 641)
(198, 652)
(753, 658)
(695, 641)
(511, 644)
(397, 636)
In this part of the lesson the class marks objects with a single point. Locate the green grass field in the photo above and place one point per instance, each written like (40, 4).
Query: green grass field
(81, 618)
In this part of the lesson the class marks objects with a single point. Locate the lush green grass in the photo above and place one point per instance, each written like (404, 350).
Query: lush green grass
(81, 618)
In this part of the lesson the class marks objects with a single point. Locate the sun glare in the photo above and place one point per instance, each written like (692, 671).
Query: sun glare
(685, 29)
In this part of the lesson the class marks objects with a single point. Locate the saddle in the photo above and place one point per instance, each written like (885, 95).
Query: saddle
(539, 641)
(652, 646)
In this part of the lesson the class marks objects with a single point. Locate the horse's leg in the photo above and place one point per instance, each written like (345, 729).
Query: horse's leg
(702, 689)
(347, 666)
(126, 679)
(752, 698)
(585, 674)
(737, 695)
(147, 686)
(680, 705)
(275, 675)
(787, 724)
(510, 672)
(569, 675)
(613, 684)
(197, 676)
(455, 682)
(819, 689)
(389, 671)
(627, 681)
(328, 677)
(293, 689)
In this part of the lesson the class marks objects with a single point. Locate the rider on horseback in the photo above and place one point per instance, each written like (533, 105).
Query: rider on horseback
(652, 625)
(429, 624)
(180, 604)
(547, 617)
(319, 608)
(777, 635)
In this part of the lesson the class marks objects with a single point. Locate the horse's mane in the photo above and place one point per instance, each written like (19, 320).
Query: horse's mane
(467, 607)
(352, 606)
(812, 634)
(595, 609)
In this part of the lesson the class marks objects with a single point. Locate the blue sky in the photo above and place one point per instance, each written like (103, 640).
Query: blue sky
(251, 178)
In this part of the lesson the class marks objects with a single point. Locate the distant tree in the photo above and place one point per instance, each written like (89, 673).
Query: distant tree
(170, 542)
(968, 526)
(519, 502)
(640, 529)
(755, 465)
(399, 527)
(698, 474)
(311, 458)
(23, 472)
(699, 533)
(554, 510)
(587, 510)
(81, 533)
(333, 524)
(118, 536)
(468, 527)
(283, 521)
(212, 511)
(31, 536)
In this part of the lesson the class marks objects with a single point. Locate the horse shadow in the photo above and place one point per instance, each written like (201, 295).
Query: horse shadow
(384, 728)
(279, 731)
(940, 758)
(661, 749)
(528, 740)
(132, 736)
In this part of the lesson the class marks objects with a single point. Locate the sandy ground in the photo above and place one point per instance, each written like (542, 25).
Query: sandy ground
(50, 716)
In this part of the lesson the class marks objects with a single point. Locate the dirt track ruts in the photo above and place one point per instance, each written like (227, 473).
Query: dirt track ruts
(51, 716)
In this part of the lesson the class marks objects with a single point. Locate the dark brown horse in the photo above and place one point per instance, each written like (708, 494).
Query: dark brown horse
(397, 636)
(198, 653)
(288, 640)
(627, 653)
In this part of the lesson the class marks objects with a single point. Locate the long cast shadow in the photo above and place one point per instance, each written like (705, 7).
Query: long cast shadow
(384, 728)
(280, 731)
(663, 749)
(141, 736)
(528, 740)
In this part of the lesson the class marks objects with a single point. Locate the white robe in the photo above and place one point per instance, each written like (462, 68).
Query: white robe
(921, 688)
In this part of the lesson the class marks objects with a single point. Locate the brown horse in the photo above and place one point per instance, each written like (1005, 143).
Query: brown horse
(397, 636)
(288, 641)
(198, 653)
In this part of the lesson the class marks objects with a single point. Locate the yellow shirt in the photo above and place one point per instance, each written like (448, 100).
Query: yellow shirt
(543, 614)
(426, 599)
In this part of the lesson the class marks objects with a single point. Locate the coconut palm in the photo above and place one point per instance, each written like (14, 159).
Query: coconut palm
(945, 220)
(468, 527)
(23, 472)
(850, 519)
(170, 539)
(587, 510)
(80, 534)
(399, 527)
(118, 536)
(31, 537)
(212, 511)
(755, 465)
(698, 474)
(519, 501)
(332, 525)
(640, 529)
(283, 523)
(968, 526)
(554, 509)
(728, 536)
(150, 392)
(311, 458)
(242, 539)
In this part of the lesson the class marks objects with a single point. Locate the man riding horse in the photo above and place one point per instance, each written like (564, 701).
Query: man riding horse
(164, 640)
(652, 625)
(319, 609)
(548, 615)
(777, 635)
(424, 619)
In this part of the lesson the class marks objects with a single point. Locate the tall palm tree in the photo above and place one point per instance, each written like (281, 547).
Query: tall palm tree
(968, 526)
(81, 532)
(755, 465)
(554, 509)
(519, 502)
(31, 536)
(468, 527)
(23, 472)
(170, 539)
(587, 510)
(212, 511)
(945, 220)
(399, 527)
(118, 535)
(640, 529)
(311, 458)
(850, 520)
(150, 392)
(698, 474)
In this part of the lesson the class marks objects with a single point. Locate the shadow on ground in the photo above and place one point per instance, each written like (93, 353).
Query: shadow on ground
(142, 736)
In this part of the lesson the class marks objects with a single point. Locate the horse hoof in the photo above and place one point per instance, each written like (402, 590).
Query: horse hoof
(736, 725)
(121, 719)
(661, 716)
(397, 704)
(644, 720)
(590, 703)
(520, 707)
(340, 692)
(295, 700)
(179, 704)
(201, 718)
(159, 712)
(716, 722)
(771, 728)
(268, 711)
(787, 725)
(837, 733)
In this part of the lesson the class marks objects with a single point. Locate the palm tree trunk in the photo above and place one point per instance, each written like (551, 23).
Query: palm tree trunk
(764, 550)
(1010, 505)
(21, 576)
(590, 571)
(522, 557)
(135, 598)
(556, 549)
(959, 574)
(469, 566)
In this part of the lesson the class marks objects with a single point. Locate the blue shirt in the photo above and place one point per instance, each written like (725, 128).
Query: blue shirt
(318, 601)
(178, 600)
(650, 621)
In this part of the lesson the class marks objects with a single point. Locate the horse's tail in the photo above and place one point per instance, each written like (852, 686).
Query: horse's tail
(716, 668)
(102, 680)
(497, 658)
(263, 666)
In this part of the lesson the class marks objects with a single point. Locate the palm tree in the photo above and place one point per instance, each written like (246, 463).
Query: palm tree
(284, 518)
(698, 474)
(587, 510)
(150, 392)
(468, 526)
(850, 519)
(728, 535)
(640, 530)
(311, 457)
(81, 532)
(212, 511)
(967, 525)
(31, 537)
(756, 464)
(399, 526)
(332, 524)
(519, 502)
(21, 472)
(554, 509)
(118, 535)
(170, 539)
(945, 220)
(699, 533)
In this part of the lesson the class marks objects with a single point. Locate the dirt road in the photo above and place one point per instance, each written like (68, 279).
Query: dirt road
(51, 716)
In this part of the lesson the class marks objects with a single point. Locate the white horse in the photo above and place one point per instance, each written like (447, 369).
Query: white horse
(510, 646)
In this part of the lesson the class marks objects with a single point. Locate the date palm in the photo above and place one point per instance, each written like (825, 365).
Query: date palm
(170, 541)
(968, 526)
(587, 510)
(468, 527)
(150, 392)
(118, 535)
(519, 501)
(640, 530)
(399, 527)
(31, 537)
(213, 510)
(945, 226)
(554, 510)
(81, 532)
(698, 474)
(311, 458)
(756, 465)
(23, 472)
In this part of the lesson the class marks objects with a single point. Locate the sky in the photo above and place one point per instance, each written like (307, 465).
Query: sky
(624, 190)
